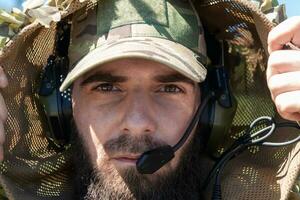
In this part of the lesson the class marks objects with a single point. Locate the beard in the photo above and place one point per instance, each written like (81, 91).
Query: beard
(107, 183)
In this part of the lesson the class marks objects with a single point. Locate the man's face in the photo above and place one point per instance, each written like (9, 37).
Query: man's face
(126, 107)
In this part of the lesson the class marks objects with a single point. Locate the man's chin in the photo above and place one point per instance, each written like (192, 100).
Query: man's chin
(118, 178)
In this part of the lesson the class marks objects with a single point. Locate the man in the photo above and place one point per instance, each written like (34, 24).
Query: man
(139, 95)
(128, 111)
(135, 87)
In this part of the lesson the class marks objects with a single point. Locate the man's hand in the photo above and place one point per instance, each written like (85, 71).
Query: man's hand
(3, 111)
(283, 72)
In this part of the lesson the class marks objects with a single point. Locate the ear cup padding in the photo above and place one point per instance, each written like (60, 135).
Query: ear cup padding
(217, 117)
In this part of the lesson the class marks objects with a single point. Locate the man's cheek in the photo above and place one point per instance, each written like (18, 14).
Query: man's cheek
(94, 144)
(89, 141)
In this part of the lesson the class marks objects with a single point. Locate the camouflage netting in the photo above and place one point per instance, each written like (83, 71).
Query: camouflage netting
(34, 169)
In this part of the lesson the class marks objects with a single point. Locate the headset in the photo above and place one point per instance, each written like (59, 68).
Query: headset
(57, 105)
(214, 117)
(218, 114)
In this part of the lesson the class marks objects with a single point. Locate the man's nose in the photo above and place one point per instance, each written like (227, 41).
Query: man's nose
(139, 117)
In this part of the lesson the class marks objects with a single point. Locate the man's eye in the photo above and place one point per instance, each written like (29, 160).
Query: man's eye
(107, 87)
(170, 89)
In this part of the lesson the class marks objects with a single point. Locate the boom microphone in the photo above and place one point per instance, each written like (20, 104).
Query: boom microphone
(152, 160)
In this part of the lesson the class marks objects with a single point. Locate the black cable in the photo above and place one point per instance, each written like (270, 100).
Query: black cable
(217, 190)
(248, 139)
(226, 156)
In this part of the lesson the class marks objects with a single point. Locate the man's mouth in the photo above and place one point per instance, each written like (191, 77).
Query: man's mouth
(125, 159)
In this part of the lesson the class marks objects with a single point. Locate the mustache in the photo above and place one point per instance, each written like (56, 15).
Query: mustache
(126, 143)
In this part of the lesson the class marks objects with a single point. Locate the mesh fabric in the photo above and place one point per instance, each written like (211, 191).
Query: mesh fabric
(34, 169)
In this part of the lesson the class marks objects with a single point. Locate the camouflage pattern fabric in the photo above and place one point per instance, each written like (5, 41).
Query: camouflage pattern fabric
(171, 34)
(11, 23)
(43, 12)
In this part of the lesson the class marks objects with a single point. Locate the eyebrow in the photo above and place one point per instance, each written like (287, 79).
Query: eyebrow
(176, 77)
(103, 77)
(109, 78)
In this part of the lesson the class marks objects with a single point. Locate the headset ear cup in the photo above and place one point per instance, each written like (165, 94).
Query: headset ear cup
(217, 117)
(222, 118)
(57, 105)
(64, 104)
(214, 125)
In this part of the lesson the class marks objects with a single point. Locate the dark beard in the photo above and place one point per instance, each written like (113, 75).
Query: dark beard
(181, 184)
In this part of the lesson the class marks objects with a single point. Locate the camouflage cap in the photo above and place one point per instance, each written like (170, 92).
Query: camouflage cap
(168, 32)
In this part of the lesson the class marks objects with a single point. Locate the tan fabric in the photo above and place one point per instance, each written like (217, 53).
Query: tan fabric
(34, 169)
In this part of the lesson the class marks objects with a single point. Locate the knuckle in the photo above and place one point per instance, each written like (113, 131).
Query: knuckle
(272, 61)
(273, 84)
(271, 37)
(277, 63)
(280, 105)
(284, 115)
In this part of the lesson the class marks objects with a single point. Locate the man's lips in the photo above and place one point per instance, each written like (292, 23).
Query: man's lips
(126, 158)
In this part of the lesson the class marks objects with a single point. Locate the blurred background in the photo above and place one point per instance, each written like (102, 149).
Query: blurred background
(292, 6)
(8, 4)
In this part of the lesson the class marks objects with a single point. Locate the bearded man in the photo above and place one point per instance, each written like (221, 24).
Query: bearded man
(135, 88)
(136, 73)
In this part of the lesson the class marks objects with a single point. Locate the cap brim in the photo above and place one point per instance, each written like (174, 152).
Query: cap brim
(172, 54)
